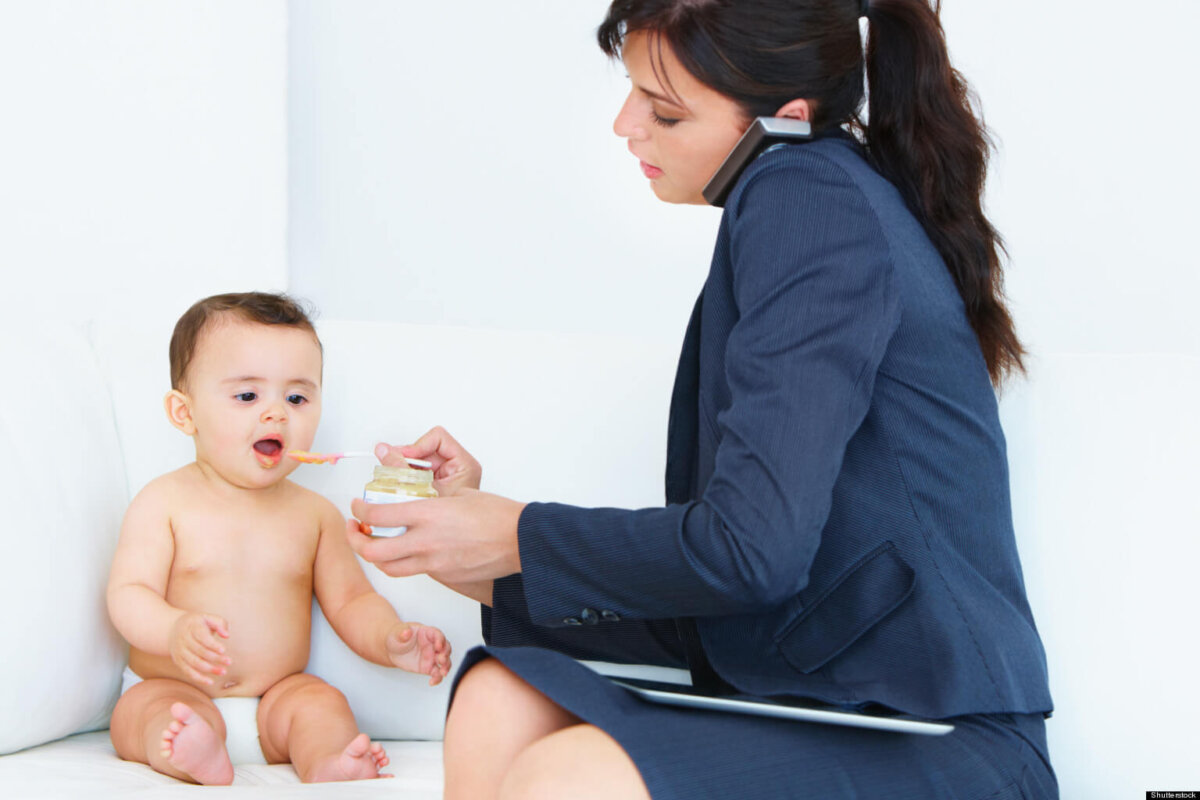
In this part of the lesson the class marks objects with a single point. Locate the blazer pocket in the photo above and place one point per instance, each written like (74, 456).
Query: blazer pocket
(847, 609)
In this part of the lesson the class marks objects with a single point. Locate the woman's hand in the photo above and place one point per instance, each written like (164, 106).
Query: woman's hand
(454, 468)
(466, 538)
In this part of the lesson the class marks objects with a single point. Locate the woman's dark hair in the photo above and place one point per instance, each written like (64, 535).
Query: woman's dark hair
(921, 131)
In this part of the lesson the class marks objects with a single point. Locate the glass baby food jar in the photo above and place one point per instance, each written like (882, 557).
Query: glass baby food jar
(398, 485)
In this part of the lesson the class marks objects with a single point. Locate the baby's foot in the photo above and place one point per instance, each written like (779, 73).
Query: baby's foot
(361, 759)
(191, 746)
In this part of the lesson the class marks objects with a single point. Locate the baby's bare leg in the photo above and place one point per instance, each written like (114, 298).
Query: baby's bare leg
(304, 720)
(175, 728)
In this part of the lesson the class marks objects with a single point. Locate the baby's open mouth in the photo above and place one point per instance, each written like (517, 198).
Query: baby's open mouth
(269, 449)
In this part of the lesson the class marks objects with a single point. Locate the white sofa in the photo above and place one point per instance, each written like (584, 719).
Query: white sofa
(1101, 448)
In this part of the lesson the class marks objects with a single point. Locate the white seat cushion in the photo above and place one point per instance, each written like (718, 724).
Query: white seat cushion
(86, 766)
(62, 496)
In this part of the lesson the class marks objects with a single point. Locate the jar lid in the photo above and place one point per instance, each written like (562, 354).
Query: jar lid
(403, 474)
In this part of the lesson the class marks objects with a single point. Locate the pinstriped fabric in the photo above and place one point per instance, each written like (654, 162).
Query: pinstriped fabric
(838, 523)
(686, 754)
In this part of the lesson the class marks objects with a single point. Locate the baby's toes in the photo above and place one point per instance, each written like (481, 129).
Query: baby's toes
(167, 746)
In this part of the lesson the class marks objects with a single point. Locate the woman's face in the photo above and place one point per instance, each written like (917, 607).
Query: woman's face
(680, 132)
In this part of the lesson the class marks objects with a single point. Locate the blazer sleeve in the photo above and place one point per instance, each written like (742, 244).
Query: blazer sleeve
(636, 641)
(816, 306)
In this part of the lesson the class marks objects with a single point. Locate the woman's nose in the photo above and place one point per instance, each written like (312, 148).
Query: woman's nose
(626, 125)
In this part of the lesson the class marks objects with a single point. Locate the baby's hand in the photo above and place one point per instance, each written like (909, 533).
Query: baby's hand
(419, 648)
(195, 648)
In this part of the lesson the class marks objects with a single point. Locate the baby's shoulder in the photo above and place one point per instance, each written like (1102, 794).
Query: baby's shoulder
(168, 488)
(297, 496)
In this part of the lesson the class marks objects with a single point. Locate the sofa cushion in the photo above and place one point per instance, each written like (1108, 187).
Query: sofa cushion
(85, 766)
(62, 495)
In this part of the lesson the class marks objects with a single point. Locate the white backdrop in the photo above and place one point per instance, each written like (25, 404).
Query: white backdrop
(454, 163)
(143, 154)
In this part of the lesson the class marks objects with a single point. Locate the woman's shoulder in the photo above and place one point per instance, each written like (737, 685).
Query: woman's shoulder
(817, 170)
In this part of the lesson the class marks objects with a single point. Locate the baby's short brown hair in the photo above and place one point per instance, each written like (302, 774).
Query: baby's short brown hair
(261, 307)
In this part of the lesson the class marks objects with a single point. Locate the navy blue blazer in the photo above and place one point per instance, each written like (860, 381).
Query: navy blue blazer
(838, 522)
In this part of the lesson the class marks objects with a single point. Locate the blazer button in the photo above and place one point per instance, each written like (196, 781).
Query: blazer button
(610, 616)
(589, 616)
(571, 621)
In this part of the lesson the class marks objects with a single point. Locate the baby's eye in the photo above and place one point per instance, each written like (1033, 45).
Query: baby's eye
(297, 399)
(246, 397)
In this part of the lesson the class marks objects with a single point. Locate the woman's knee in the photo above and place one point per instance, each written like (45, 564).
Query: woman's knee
(581, 762)
(485, 677)
(489, 690)
(487, 685)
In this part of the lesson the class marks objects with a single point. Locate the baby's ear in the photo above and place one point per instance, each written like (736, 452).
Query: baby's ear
(179, 411)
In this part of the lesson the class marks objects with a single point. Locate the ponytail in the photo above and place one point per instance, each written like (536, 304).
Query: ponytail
(922, 134)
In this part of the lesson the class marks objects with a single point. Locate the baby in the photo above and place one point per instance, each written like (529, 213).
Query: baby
(218, 562)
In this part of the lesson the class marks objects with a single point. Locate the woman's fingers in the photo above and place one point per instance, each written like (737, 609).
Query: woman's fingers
(390, 455)
(453, 467)
(398, 556)
(469, 538)
(438, 442)
(410, 553)
(390, 515)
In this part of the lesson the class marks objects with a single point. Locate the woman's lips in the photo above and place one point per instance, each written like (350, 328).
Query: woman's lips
(649, 170)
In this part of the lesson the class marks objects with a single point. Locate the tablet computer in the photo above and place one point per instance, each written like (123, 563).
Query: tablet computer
(673, 694)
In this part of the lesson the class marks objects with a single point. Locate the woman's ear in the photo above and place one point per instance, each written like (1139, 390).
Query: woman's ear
(796, 109)
(179, 411)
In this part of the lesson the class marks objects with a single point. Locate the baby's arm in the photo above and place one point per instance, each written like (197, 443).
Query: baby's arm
(137, 588)
(361, 616)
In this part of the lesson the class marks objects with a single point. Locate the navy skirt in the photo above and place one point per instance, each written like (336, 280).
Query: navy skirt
(689, 754)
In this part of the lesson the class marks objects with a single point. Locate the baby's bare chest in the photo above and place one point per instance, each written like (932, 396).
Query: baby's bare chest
(212, 544)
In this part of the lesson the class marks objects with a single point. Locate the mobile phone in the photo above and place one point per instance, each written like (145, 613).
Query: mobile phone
(762, 133)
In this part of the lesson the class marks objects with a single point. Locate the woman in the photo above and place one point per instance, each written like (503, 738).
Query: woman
(837, 523)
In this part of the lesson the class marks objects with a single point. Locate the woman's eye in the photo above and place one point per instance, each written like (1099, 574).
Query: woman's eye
(665, 122)
(297, 399)
(246, 397)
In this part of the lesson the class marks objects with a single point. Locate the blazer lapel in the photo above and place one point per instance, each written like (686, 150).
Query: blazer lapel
(682, 426)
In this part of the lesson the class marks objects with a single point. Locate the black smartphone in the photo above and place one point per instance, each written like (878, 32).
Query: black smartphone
(762, 133)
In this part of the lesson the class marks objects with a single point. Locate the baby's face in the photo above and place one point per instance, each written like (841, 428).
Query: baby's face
(255, 393)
